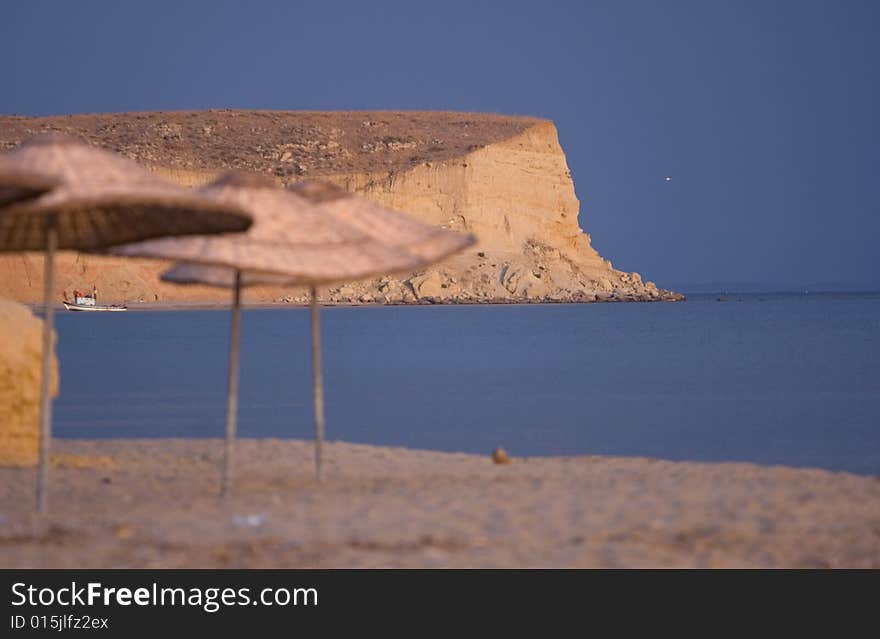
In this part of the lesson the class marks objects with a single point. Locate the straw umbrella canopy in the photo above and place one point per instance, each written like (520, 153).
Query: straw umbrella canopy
(100, 199)
(17, 184)
(301, 235)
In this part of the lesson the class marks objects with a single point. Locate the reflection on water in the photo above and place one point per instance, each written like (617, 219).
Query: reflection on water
(770, 379)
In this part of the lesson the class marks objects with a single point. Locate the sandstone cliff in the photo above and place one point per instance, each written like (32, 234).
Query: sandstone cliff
(20, 365)
(504, 179)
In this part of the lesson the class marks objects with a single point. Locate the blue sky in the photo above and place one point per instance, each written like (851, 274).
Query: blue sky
(763, 112)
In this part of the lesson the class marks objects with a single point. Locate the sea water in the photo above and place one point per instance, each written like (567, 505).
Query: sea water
(772, 379)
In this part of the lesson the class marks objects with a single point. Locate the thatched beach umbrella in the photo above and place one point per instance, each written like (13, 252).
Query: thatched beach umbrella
(100, 199)
(301, 235)
(19, 184)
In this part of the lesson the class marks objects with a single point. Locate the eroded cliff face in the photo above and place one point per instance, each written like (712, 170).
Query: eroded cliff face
(504, 179)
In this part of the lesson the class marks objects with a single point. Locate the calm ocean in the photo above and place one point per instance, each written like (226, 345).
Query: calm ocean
(776, 379)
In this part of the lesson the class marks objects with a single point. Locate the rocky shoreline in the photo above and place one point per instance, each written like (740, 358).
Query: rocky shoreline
(490, 281)
(389, 292)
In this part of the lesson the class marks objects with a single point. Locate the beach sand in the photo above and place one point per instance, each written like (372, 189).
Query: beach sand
(154, 504)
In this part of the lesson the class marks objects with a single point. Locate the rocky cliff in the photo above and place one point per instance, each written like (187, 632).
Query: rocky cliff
(20, 365)
(505, 179)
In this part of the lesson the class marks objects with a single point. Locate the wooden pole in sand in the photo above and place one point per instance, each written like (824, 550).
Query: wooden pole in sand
(232, 387)
(318, 385)
(45, 380)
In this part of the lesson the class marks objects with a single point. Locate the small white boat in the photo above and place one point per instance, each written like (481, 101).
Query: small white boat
(93, 307)
(82, 302)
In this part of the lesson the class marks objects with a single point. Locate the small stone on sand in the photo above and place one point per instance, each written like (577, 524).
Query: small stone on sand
(123, 531)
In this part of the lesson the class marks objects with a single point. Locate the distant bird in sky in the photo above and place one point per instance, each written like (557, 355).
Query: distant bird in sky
(668, 178)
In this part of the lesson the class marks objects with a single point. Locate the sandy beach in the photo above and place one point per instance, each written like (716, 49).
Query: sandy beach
(154, 504)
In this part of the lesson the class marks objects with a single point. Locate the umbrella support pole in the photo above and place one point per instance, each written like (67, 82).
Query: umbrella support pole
(318, 384)
(232, 387)
(46, 373)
